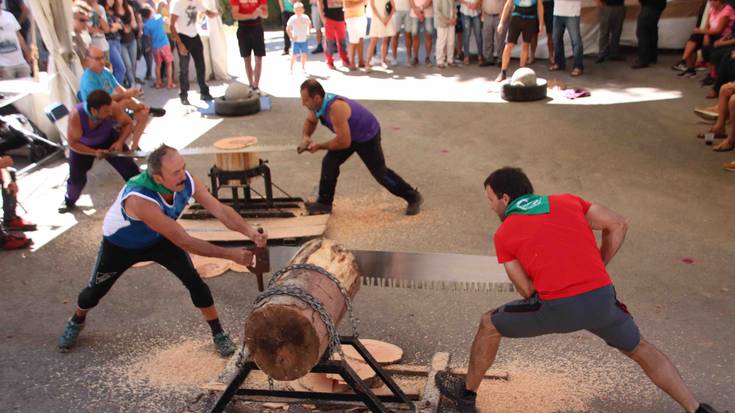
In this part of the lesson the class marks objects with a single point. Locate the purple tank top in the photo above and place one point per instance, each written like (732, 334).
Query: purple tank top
(363, 124)
(100, 137)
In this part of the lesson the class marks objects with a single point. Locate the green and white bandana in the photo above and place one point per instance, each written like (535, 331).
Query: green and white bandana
(529, 205)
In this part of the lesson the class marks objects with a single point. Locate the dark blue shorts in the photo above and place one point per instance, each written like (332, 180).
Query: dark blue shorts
(597, 311)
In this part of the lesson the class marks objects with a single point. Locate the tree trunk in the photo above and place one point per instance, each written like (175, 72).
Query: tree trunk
(285, 336)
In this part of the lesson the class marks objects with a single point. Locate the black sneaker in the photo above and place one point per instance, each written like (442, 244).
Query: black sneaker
(705, 408)
(708, 81)
(501, 77)
(317, 208)
(687, 74)
(681, 66)
(639, 65)
(184, 100)
(414, 207)
(157, 112)
(453, 388)
(66, 207)
(206, 97)
(318, 49)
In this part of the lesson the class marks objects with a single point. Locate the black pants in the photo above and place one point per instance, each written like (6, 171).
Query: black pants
(725, 71)
(196, 51)
(9, 200)
(286, 40)
(113, 261)
(647, 34)
(371, 154)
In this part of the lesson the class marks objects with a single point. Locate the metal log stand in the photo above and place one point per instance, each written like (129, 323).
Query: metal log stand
(361, 389)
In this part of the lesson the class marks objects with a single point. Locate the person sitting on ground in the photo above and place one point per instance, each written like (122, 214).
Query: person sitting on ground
(96, 128)
(11, 220)
(718, 25)
(154, 29)
(15, 58)
(527, 18)
(298, 27)
(97, 77)
(141, 226)
(548, 247)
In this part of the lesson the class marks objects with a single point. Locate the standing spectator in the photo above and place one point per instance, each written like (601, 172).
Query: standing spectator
(80, 38)
(22, 15)
(128, 39)
(381, 28)
(647, 32)
(163, 9)
(184, 31)
(356, 23)
(716, 26)
(250, 37)
(298, 27)
(612, 15)
(549, 24)
(492, 41)
(422, 14)
(470, 11)
(445, 17)
(98, 27)
(333, 17)
(318, 24)
(286, 13)
(402, 18)
(153, 29)
(526, 18)
(566, 17)
(113, 39)
(14, 55)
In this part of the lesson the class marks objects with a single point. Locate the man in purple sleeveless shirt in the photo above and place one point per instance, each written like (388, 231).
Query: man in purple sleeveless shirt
(357, 130)
(96, 127)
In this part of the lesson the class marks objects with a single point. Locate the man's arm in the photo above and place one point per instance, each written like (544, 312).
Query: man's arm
(175, 35)
(519, 278)
(126, 127)
(310, 124)
(540, 5)
(121, 93)
(24, 47)
(74, 136)
(613, 227)
(151, 215)
(504, 15)
(339, 113)
(228, 216)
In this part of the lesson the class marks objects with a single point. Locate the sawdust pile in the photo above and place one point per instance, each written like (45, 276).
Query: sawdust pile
(187, 364)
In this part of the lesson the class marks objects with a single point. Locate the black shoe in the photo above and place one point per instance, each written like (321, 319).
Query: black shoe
(616, 59)
(453, 388)
(317, 208)
(139, 81)
(319, 49)
(284, 53)
(414, 207)
(705, 408)
(600, 59)
(66, 207)
(157, 112)
(639, 65)
(184, 100)
(708, 81)
(206, 97)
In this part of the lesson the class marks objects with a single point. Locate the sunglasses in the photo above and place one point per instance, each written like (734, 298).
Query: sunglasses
(82, 20)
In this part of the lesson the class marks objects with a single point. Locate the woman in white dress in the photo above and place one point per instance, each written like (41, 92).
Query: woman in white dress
(381, 27)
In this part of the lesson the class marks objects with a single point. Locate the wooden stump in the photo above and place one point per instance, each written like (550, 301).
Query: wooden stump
(285, 336)
(236, 161)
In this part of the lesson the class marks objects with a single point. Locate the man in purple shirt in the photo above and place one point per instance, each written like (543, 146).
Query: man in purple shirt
(357, 130)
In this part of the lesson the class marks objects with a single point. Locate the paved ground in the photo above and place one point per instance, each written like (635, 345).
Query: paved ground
(633, 150)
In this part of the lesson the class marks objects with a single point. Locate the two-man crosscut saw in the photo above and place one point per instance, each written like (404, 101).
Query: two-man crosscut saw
(439, 271)
(210, 150)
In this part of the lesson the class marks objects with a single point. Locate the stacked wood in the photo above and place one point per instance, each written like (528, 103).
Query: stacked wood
(284, 335)
(236, 161)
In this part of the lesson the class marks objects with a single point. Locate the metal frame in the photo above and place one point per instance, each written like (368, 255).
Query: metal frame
(362, 390)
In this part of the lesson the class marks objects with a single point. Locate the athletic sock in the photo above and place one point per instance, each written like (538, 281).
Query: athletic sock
(215, 326)
(77, 319)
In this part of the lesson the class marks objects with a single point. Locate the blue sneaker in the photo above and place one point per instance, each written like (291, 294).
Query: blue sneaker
(225, 346)
(69, 338)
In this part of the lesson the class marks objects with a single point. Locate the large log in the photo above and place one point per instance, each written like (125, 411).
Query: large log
(284, 335)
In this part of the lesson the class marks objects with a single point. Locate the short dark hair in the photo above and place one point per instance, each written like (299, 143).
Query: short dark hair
(313, 87)
(509, 181)
(98, 98)
(155, 159)
(145, 12)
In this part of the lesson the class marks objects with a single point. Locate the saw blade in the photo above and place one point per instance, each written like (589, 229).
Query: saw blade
(420, 270)
(210, 150)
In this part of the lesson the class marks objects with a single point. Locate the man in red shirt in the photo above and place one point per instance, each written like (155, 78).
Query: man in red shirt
(250, 36)
(550, 254)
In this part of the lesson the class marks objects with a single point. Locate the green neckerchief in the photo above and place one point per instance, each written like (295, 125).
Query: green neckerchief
(146, 181)
(323, 110)
(529, 205)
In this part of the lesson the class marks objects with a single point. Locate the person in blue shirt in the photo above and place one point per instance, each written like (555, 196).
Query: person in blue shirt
(97, 77)
(154, 29)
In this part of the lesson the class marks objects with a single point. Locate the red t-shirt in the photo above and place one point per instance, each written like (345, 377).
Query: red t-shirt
(557, 250)
(247, 6)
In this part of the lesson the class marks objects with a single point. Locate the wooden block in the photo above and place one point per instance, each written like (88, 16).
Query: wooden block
(318, 382)
(414, 370)
(277, 228)
(365, 372)
(237, 142)
(440, 362)
(382, 352)
(209, 267)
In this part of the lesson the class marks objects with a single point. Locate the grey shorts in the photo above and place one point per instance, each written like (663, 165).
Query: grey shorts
(597, 311)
